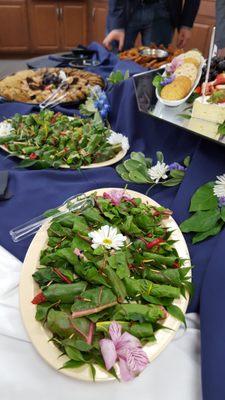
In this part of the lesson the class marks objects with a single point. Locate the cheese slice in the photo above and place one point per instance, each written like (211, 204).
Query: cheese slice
(208, 111)
(203, 127)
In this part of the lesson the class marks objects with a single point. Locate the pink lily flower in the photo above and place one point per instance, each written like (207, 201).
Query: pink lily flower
(126, 349)
(175, 63)
(116, 196)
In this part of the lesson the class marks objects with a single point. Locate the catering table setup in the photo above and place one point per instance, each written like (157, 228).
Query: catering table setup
(127, 205)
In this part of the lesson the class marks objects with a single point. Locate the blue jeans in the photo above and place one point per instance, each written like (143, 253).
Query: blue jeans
(153, 22)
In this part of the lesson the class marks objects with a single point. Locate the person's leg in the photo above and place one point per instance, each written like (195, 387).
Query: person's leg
(133, 28)
(158, 29)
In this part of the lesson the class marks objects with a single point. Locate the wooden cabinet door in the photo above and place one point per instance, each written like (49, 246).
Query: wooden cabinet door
(13, 26)
(98, 14)
(73, 23)
(202, 29)
(44, 26)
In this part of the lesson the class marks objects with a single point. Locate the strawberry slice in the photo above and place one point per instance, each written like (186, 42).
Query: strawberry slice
(209, 88)
(220, 79)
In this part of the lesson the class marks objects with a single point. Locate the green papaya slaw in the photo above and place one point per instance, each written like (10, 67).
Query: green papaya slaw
(85, 282)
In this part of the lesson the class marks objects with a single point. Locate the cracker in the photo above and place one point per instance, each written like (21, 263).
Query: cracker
(192, 60)
(187, 69)
(176, 90)
(193, 54)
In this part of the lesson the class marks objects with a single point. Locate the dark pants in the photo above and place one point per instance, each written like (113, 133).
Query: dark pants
(152, 21)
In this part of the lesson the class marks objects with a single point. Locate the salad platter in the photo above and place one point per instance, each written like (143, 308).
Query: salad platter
(78, 272)
(55, 140)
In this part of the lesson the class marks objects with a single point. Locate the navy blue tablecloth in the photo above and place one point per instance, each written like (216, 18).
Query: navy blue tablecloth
(35, 191)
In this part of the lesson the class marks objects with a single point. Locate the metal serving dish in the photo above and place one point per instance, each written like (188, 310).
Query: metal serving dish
(155, 53)
(149, 104)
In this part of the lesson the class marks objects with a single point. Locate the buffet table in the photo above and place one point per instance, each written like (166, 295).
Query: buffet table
(34, 191)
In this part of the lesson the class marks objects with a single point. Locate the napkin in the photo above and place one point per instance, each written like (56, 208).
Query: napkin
(24, 374)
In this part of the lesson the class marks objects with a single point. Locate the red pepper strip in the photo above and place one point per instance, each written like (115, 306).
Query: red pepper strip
(63, 277)
(39, 298)
(154, 242)
(175, 265)
(32, 156)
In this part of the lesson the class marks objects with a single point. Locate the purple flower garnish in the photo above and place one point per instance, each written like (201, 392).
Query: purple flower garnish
(177, 166)
(167, 80)
(221, 201)
(126, 349)
(176, 63)
(116, 196)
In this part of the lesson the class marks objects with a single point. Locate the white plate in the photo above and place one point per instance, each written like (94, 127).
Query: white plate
(40, 336)
(119, 156)
(175, 103)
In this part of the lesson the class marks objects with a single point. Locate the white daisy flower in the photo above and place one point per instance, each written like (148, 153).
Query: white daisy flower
(5, 128)
(107, 236)
(158, 171)
(219, 187)
(118, 138)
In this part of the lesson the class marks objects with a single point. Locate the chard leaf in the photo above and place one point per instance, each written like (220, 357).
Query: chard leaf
(201, 221)
(42, 311)
(204, 198)
(118, 262)
(138, 312)
(92, 301)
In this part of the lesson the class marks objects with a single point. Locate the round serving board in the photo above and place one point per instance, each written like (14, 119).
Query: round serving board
(40, 336)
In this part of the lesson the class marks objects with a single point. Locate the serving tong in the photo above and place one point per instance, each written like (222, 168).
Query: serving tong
(73, 203)
(56, 97)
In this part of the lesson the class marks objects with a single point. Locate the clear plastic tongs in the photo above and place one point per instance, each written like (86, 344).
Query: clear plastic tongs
(73, 203)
